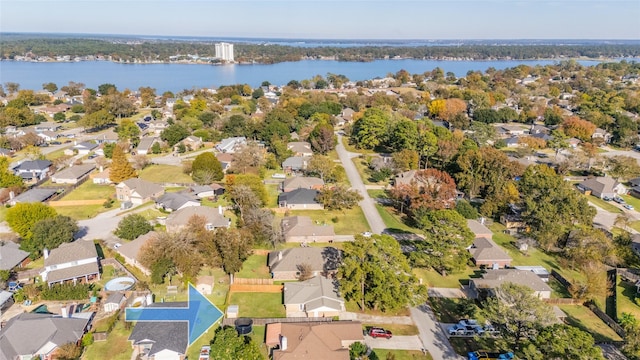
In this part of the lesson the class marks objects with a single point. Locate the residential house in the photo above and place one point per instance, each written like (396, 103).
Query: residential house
(107, 137)
(301, 229)
(295, 164)
(573, 142)
(6, 152)
(231, 145)
(161, 340)
(85, 147)
(316, 297)
(492, 279)
(102, 177)
(300, 148)
(48, 135)
(300, 199)
(144, 147)
(74, 261)
(602, 134)
(512, 142)
(313, 341)
(514, 130)
(206, 191)
(190, 143)
(285, 264)
(138, 191)
(130, 250)
(302, 182)
(347, 114)
(635, 244)
(73, 174)
(47, 126)
(176, 201)
(478, 229)
(6, 300)
(602, 187)
(214, 218)
(33, 170)
(114, 302)
(38, 336)
(486, 253)
(11, 256)
(33, 195)
(226, 160)
(156, 127)
(540, 271)
(539, 129)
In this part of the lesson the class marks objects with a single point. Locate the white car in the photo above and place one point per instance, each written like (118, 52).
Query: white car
(117, 245)
(367, 234)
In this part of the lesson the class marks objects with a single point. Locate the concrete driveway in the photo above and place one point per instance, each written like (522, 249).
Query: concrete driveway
(446, 293)
(433, 337)
(411, 342)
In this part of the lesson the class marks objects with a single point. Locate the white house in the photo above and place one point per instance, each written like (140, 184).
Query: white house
(75, 261)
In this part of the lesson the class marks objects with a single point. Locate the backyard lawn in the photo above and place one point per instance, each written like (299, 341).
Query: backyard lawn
(432, 278)
(626, 293)
(603, 204)
(446, 309)
(165, 173)
(582, 318)
(267, 305)
(82, 212)
(91, 191)
(255, 267)
(393, 221)
(116, 347)
(347, 222)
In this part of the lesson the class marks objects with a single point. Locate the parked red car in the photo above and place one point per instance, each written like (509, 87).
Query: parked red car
(377, 332)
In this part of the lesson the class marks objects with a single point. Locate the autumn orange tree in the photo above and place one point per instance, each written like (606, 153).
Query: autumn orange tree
(575, 127)
(429, 189)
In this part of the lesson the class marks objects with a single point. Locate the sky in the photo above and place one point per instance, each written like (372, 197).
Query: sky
(330, 19)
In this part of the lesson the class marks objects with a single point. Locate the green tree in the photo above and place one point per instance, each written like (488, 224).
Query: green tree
(228, 345)
(50, 87)
(370, 130)
(561, 341)
(233, 247)
(622, 167)
(128, 131)
(108, 150)
(23, 216)
(321, 166)
(467, 210)
(251, 181)
(631, 327)
(96, 120)
(338, 197)
(558, 142)
(121, 168)
(49, 233)
(517, 314)
(405, 160)
(132, 226)
(59, 117)
(447, 238)
(404, 136)
(322, 138)
(7, 178)
(174, 133)
(206, 169)
(376, 274)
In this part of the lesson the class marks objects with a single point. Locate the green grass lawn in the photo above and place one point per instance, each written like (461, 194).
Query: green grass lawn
(465, 345)
(81, 212)
(626, 293)
(165, 173)
(396, 329)
(116, 347)
(257, 336)
(446, 309)
(635, 225)
(348, 222)
(376, 193)
(383, 354)
(218, 295)
(266, 305)
(255, 267)
(352, 306)
(363, 170)
(582, 318)
(55, 154)
(35, 264)
(432, 278)
(393, 221)
(91, 191)
(632, 200)
(603, 204)
(272, 192)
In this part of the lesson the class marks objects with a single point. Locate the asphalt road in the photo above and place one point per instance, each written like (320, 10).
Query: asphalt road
(367, 204)
(433, 337)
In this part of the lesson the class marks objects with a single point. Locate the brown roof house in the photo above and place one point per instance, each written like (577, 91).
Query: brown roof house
(72, 174)
(602, 187)
(286, 264)
(302, 182)
(494, 278)
(75, 261)
(302, 229)
(313, 341)
(131, 249)
(138, 191)
(316, 297)
(214, 218)
(484, 251)
(300, 148)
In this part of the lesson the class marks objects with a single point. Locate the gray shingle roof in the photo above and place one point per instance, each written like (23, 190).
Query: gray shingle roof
(318, 258)
(31, 165)
(494, 278)
(163, 335)
(484, 249)
(304, 226)
(314, 293)
(28, 332)
(143, 187)
(132, 248)
(478, 228)
(299, 197)
(211, 215)
(146, 143)
(11, 255)
(34, 195)
(302, 182)
(73, 251)
(175, 201)
(74, 172)
(296, 162)
(600, 184)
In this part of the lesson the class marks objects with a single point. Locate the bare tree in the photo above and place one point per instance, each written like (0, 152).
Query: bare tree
(305, 272)
(140, 161)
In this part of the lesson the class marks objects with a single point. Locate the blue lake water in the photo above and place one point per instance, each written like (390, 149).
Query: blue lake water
(177, 77)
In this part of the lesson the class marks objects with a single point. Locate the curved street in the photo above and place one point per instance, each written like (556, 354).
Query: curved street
(367, 204)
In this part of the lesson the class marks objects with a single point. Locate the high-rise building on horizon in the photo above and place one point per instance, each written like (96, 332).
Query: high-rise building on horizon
(224, 51)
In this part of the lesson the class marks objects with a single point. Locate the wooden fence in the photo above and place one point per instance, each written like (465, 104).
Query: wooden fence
(606, 318)
(245, 281)
(265, 321)
(564, 301)
(255, 288)
(76, 202)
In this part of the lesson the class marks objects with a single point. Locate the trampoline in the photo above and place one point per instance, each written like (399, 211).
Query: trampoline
(120, 284)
